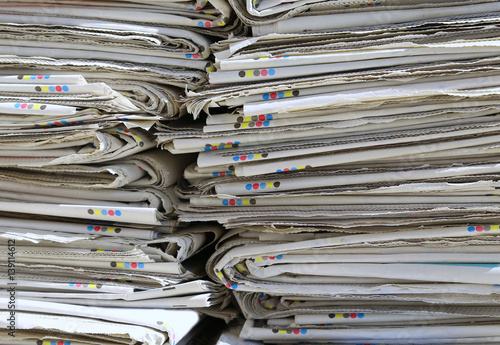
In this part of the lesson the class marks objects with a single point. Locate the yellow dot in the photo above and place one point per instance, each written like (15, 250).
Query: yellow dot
(494, 227)
(36, 106)
(91, 286)
(249, 74)
(220, 275)
(26, 77)
(263, 58)
(268, 306)
(45, 88)
(338, 316)
(288, 93)
(97, 212)
(215, 144)
(259, 258)
(210, 69)
(208, 12)
(240, 268)
(257, 156)
(227, 146)
(100, 250)
(111, 229)
(222, 23)
(247, 119)
(43, 124)
(300, 167)
(269, 185)
(119, 264)
(138, 138)
(246, 202)
(244, 125)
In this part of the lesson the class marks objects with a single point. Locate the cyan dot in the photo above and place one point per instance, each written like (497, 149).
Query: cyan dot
(279, 170)
(262, 185)
(250, 156)
(53, 343)
(81, 122)
(46, 76)
(71, 284)
(126, 264)
(303, 331)
(234, 286)
(215, 174)
(140, 265)
(65, 88)
(189, 56)
(471, 229)
(248, 186)
(361, 315)
(265, 123)
(52, 88)
(207, 149)
(279, 257)
(17, 105)
(269, 117)
(104, 212)
(281, 94)
(236, 158)
(271, 71)
(294, 168)
(225, 202)
(33, 77)
(239, 202)
(90, 228)
(236, 142)
(118, 213)
(265, 96)
(220, 147)
(200, 24)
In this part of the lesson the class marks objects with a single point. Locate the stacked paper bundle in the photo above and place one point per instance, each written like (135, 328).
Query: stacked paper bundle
(357, 169)
(92, 251)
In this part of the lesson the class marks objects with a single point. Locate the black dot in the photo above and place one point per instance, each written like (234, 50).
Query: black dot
(237, 125)
(254, 118)
(264, 155)
(159, 322)
(202, 49)
(331, 316)
(118, 230)
(208, 145)
(98, 286)
(112, 264)
(38, 342)
(231, 167)
(141, 144)
(43, 107)
(275, 330)
(256, 72)
(19, 77)
(346, 316)
(241, 74)
(276, 184)
(252, 201)
(38, 88)
(236, 145)
(239, 119)
(308, 167)
(251, 124)
(90, 211)
(295, 92)
(289, 331)
(30, 106)
(104, 229)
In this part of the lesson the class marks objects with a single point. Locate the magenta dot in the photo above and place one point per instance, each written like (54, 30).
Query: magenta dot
(39, 76)
(274, 95)
(286, 169)
(232, 202)
(255, 186)
(259, 124)
(243, 158)
(228, 285)
(97, 228)
(24, 105)
(58, 88)
(262, 117)
(353, 315)
(263, 72)
(111, 213)
(208, 24)
(196, 56)
(198, 8)
(134, 264)
(479, 228)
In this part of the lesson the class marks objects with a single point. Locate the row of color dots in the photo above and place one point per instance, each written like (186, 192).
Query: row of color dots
(98, 212)
(91, 286)
(52, 342)
(238, 202)
(222, 173)
(205, 24)
(104, 229)
(367, 4)
(483, 228)
(26, 77)
(290, 331)
(252, 124)
(195, 56)
(52, 88)
(250, 157)
(257, 73)
(262, 185)
(274, 57)
(290, 169)
(281, 94)
(127, 264)
(260, 258)
(254, 118)
(59, 123)
(346, 316)
(215, 146)
(30, 106)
